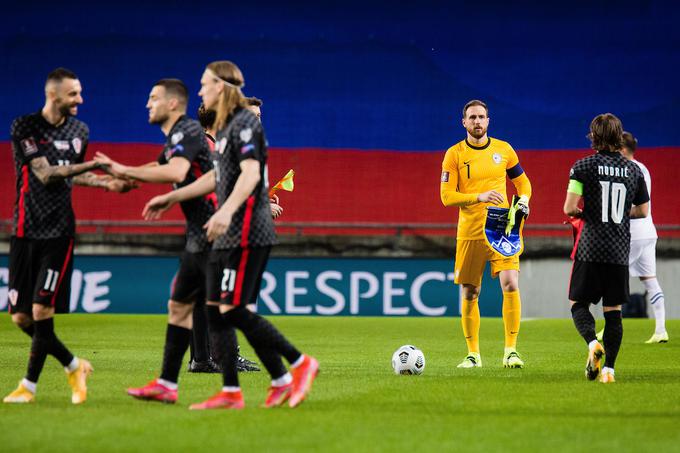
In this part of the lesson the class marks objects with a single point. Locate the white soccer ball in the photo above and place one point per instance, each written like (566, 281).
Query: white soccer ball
(408, 360)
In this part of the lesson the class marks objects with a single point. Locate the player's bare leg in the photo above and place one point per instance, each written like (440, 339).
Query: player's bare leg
(24, 322)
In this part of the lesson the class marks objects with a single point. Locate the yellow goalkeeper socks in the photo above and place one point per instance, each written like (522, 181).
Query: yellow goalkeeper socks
(470, 319)
(512, 313)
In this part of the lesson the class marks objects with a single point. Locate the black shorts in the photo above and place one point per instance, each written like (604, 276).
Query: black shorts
(591, 282)
(188, 286)
(235, 275)
(40, 272)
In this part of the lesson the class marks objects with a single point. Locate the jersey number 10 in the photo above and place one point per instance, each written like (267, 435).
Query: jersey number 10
(617, 198)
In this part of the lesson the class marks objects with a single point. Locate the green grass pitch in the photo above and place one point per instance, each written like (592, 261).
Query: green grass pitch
(358, 403)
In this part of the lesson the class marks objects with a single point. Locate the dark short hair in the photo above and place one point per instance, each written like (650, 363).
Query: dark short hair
(473, 103)
(59, 74)
(257, 102)
(606, 133)
(629, 141)
(206, 117)
(175, 87)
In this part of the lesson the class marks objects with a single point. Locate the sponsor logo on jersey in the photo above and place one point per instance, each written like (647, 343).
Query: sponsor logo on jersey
(496, 158)
(28, 146)
(247, 148)
(77, 145)
(62, 145)
(176, 138)
(13, 296)
(246, 135)
(445, 176)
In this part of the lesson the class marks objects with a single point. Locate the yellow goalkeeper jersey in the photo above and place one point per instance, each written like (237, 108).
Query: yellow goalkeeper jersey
(468, 170)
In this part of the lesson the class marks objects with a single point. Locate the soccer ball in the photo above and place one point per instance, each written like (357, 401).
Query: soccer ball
(408, 360)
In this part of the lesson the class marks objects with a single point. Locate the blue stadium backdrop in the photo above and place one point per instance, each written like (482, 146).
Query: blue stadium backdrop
(362, 75)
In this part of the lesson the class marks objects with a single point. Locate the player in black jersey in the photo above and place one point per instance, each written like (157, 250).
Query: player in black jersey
(183, 159)
(242, 232)
(200, 338)
(49, 149)
(613, 191)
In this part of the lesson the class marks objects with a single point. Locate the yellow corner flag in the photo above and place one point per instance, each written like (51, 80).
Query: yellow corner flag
(285, 183)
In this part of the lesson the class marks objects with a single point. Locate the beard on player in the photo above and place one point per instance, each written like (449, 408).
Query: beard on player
(477, 131)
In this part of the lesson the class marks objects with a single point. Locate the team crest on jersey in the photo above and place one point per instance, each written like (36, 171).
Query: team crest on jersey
(221, 145)
(29, 146)
(176, 137)
(13, 296)
(172, 151)
(246, 135)
(445, 176)
(61, 145)
(496, 158)
(77, 145)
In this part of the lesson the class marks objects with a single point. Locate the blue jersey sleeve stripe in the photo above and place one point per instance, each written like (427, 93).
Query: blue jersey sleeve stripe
(515, 171)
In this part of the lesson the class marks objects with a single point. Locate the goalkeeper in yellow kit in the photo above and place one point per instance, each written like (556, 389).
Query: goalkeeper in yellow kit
(473, 177)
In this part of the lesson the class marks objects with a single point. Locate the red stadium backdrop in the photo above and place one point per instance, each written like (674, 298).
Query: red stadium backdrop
(344, 185)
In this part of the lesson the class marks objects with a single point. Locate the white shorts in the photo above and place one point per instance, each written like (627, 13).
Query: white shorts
(642, 259)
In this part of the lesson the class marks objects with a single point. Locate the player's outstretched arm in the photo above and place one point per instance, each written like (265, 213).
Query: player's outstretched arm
(105, 182)
(245, 184)
(48, 174)
(174, 171)
(158, 205)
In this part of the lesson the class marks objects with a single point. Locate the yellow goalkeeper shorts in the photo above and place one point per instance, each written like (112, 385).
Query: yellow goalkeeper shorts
(471, 258)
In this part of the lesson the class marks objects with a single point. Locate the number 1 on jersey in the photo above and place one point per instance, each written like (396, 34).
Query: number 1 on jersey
(618, 200)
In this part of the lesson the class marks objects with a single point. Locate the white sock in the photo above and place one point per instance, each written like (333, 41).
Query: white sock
(71, 367)
(283, 380)
(657, 301)
(607, 370)
(592, 344)
(229, 388)
(30, 386)
(298, 362)
(167, 384)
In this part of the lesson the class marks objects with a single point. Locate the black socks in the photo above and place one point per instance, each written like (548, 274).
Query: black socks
(584, 321)
(224, 345)
(613, 334)
(45, 342)
(176, 343)
(200, 349)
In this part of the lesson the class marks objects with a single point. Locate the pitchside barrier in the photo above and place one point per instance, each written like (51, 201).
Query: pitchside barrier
(291, 286)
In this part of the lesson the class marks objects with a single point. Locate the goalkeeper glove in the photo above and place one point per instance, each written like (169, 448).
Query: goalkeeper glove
(522, 205)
